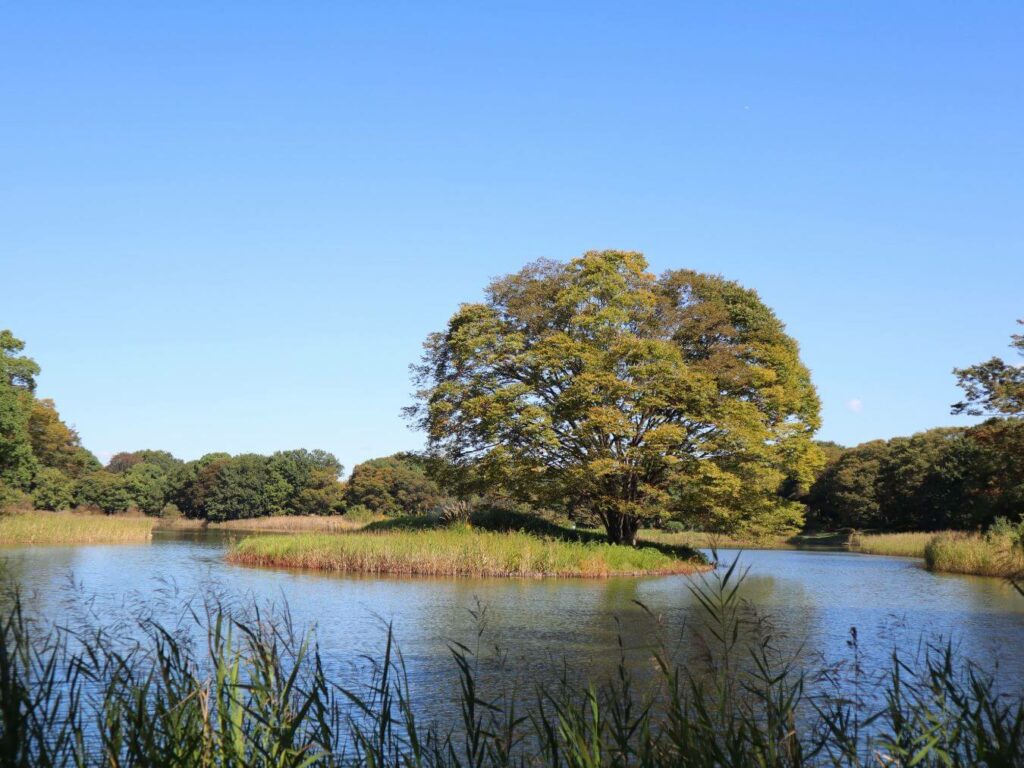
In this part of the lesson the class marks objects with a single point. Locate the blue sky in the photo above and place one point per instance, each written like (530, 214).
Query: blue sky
(230, 226)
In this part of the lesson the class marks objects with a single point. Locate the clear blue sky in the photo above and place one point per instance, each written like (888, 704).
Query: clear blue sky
(229, 226)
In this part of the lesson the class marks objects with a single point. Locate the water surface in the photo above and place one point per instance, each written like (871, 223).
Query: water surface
(813, 598)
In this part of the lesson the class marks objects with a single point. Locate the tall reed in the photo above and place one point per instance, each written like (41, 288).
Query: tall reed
(52, 528)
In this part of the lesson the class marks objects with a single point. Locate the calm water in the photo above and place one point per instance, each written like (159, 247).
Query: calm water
(813, 599)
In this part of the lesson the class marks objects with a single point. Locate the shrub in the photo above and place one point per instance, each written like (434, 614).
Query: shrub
(392, 486)
(104, 490)
(52, 490)
(170, 512)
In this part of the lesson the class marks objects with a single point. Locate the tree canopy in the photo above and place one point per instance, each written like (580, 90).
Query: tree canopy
(993, 387)
(624, 398)
(960, 478)
(393, 485)
(18, 463)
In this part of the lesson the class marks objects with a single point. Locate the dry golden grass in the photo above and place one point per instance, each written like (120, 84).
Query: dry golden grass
(703, 540)
(457, 552)
(293, 524)
(971, 553)
(66, 528)
(894, 544)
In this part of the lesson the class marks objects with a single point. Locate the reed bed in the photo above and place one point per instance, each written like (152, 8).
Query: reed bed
(459, 551)
(253, 691)
(294, 524)
(704, 540)
(894, 544)
(978, 555)
(61, 528)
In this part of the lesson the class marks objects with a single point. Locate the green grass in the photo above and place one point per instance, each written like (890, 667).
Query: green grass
(64, 528)
(459, 551)
(894, 544)
(974, 554)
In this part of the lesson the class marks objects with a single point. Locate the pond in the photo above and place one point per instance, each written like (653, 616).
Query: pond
(812, 599)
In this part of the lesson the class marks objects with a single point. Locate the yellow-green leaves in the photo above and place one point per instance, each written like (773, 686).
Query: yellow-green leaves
(600, 389)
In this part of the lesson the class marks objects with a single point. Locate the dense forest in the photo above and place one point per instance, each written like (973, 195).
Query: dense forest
(951, 477)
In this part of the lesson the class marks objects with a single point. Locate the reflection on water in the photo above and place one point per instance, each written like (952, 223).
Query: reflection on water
(812, 598)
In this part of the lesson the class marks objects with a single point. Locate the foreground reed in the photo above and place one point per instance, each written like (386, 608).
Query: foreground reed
(457, 551)
(249, 690)
(52, 528)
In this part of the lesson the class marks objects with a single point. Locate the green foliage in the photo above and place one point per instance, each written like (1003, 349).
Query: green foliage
(993, 387)
(123, 462)
(53, 490)
(942, 478)
(313, 481)
(104, 490)
(18, 464)
(148, 486)
(395, 485)
(221, 487)
(192, 482)
(57, 445)
(243, 486)
(170, 512)
(619, 397)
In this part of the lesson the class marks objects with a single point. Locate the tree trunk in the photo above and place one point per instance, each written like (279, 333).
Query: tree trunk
(621, 529)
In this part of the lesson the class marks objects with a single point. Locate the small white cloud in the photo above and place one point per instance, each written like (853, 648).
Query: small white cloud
(855, 405)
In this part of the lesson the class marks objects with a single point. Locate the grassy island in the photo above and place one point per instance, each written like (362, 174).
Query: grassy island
(54, 528)
(460, 551)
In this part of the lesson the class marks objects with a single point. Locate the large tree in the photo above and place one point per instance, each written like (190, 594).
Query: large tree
(624, 398)
(18, 463)
(994, 387)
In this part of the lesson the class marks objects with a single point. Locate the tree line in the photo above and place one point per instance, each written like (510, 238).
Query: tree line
(943, 478)
(44, 465)
(591, 388)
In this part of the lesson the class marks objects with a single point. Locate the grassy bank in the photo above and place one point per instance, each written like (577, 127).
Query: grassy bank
(973, 554)
(65, 528)
(458, 552)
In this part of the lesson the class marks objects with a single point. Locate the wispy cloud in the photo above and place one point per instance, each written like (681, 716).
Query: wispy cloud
(855, 405)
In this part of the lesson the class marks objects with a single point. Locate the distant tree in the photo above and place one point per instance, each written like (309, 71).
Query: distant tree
(16, 370)
(313, 481)
(993, 387)
(626, 398)
(18, 463)
(844, 495)
(911, 487)
(830, 451)
(52, 489)
(393, 485)
(104, 490)
(55, 444)
(993, 477)
(192, 483)
(122, 462)
(148, 485)
(242, 487)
